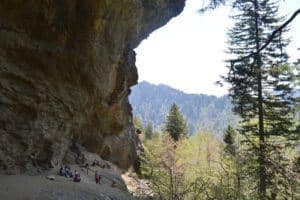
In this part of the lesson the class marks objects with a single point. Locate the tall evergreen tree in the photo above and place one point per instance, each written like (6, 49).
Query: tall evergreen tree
(260, 87)
(149, 131)
(297, 94)
(175, 123)
(229, 139)
(231, 151)
(297, 83)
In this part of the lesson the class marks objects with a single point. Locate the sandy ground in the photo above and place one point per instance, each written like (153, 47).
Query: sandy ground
(25, 187)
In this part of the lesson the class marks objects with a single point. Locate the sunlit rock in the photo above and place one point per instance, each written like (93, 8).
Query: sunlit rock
(65, 72)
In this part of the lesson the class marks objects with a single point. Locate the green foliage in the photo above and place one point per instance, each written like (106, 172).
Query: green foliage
(161, 166)
(261, 91)
(149, 131)
(229, 136)
(212, 4)
(138, 124)
(202, 112)
(189, 168)
(199, 167)
(229, 139)
(297, 84)
(175, 124)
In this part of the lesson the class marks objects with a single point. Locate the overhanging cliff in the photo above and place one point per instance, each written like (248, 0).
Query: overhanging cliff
(66, 67)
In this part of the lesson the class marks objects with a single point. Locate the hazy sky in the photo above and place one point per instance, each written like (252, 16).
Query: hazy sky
(188, 52)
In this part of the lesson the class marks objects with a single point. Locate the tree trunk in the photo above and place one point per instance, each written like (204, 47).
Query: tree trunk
(262, 145)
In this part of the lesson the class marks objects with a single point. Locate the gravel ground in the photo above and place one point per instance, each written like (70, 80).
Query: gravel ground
(25, 187)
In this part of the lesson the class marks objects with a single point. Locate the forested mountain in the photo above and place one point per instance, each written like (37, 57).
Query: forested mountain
(152, 102)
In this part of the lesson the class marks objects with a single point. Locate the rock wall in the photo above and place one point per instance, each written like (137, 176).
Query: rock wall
(66, 67)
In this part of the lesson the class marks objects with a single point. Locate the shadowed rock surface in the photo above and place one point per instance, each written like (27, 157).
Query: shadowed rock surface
(66, 67)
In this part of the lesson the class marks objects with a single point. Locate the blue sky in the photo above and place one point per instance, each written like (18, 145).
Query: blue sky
(189, 52)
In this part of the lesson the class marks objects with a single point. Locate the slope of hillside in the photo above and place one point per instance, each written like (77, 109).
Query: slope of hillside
(202, 112)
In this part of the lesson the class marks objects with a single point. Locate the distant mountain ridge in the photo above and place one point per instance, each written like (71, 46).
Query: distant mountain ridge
(203, 112)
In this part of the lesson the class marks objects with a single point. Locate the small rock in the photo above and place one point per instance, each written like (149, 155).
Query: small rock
(50, 177)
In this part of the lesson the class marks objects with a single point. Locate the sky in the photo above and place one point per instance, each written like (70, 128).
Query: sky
(188, 53)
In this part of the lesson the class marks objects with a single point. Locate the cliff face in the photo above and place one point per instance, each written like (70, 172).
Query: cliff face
(66, 67)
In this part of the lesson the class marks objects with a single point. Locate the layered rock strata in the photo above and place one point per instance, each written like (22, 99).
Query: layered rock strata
(66, 67)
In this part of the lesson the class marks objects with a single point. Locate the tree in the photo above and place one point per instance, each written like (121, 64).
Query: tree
(261, 87)
(192, 170)
(297, 94)
(138, 124)
(229, 139)
(297, 82)
(232, 156)
(149, 131)
(175, 123)
(161, 165)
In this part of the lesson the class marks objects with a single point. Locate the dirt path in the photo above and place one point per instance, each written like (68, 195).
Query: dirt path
(25, 187)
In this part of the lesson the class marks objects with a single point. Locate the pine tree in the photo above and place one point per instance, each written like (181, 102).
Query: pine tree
(297, 86)
(297, 82)
(149, 131)
(229, 139)
(175, 123)
(261, 87)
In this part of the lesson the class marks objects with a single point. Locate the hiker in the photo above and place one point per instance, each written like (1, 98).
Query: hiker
(62, 171)
(71, 174)
(67, 168)
(95, 163)
(76, 177)
(87, 168)
(67, 171)
(97, 177)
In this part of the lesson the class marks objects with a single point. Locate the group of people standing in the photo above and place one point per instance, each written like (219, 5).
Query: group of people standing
(67, 172)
